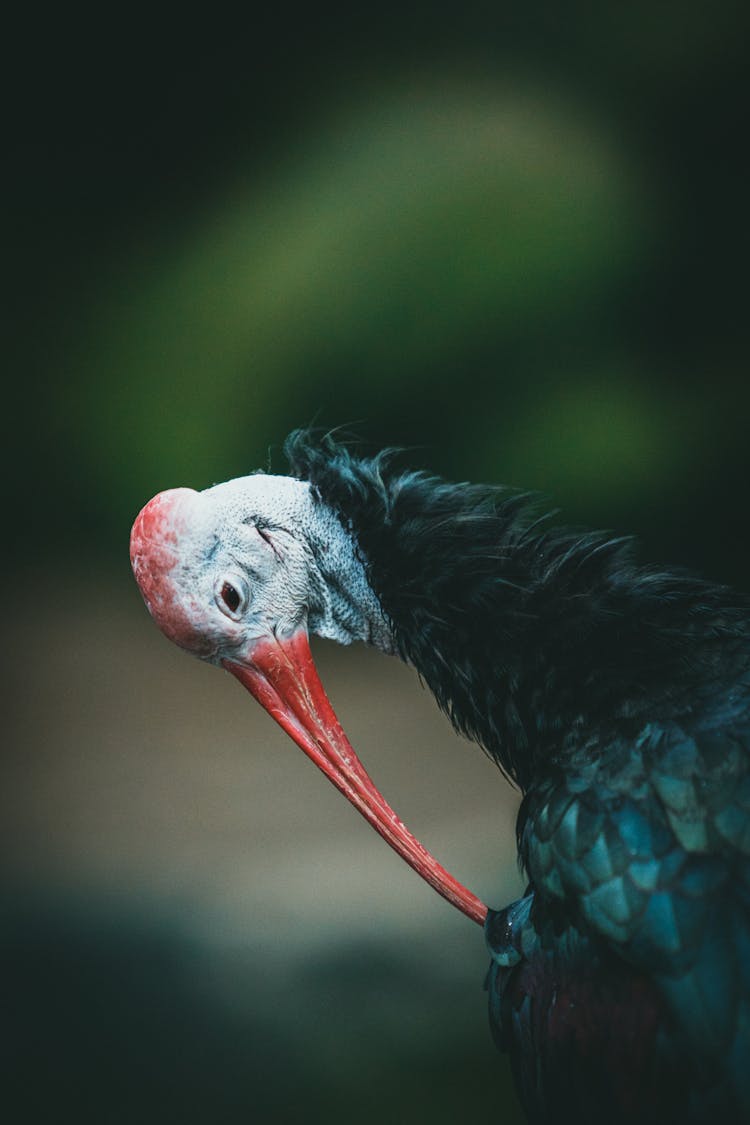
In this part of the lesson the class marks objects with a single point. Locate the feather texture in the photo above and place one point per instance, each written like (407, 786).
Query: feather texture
(617, 697)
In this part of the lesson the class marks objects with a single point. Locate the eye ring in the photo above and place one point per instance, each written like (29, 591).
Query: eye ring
(231, 595)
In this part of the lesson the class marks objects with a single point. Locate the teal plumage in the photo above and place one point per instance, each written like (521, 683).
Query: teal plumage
(644, 853)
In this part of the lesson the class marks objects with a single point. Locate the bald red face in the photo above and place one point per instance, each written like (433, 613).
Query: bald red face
(158, 543)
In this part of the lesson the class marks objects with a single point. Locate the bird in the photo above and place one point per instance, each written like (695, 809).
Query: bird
(614, 695)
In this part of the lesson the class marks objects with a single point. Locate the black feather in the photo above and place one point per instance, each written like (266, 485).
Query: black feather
(617, 696)
(524, 632)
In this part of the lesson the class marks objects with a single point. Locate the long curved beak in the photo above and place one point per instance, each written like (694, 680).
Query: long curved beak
(281, 675)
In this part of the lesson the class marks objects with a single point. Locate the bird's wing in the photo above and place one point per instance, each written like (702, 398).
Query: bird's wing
(647, 847)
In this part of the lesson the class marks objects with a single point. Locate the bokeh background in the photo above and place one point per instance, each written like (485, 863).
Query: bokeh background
(512, 238)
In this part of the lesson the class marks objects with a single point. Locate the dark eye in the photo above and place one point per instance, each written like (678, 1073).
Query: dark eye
(230, 597)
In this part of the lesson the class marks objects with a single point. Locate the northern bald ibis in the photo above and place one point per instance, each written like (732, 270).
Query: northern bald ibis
(617, 697)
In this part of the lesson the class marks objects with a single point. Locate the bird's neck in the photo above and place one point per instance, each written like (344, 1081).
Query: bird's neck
(343, 606)
(525, 635)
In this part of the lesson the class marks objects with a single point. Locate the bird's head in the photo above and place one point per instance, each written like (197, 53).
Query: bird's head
(246, 561)
(239, 575)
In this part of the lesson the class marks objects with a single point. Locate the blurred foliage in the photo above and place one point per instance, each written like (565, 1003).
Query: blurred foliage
(510, 237)
(449, 215)
(509, 240)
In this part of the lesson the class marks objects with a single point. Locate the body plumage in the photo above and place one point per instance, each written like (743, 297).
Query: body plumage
(618, 698)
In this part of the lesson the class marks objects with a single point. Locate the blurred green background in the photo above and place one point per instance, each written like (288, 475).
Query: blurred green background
(512, 238)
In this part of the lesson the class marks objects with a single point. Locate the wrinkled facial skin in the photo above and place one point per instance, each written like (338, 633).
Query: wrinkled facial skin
(216, 573)
(252, 558)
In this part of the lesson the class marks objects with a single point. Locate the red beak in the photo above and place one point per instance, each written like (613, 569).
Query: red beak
(280, 673)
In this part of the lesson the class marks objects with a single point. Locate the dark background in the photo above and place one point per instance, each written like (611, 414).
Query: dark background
(512, 238)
